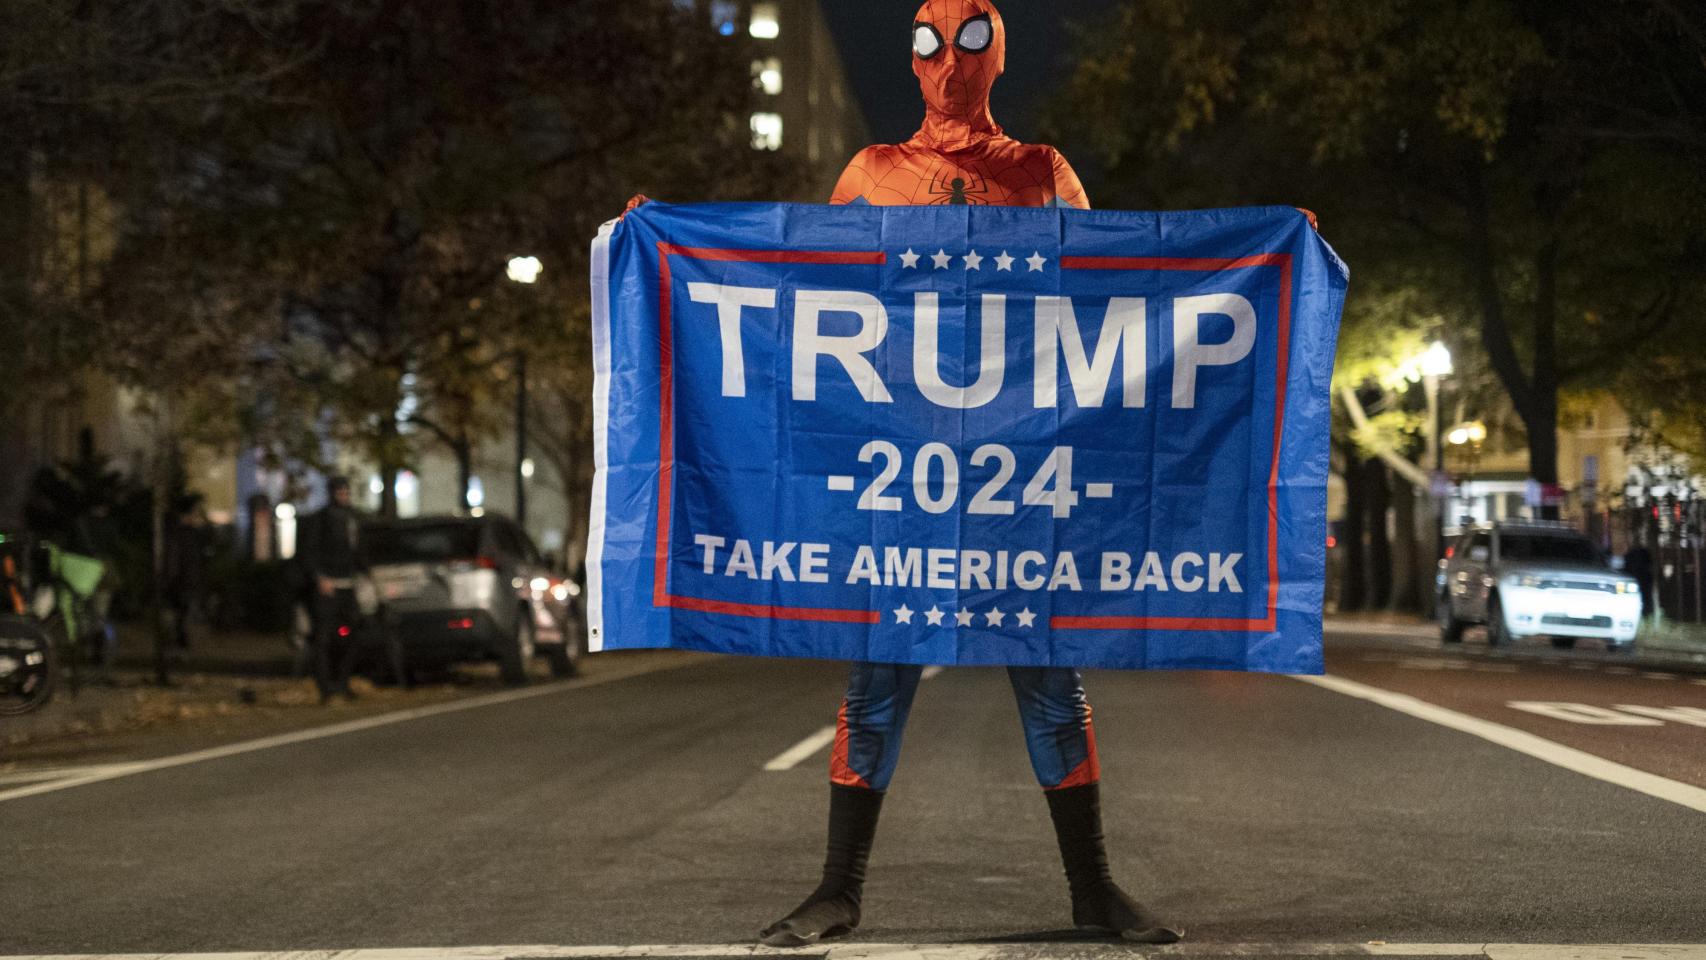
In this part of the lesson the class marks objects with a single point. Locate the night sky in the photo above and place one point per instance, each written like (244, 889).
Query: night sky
(874, 36)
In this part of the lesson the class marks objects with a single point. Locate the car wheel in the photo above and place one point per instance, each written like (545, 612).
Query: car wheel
(1450, 628)
(1564, 643)
(1612, 646)
(512, 665)
(1498, 635)
(565, 659)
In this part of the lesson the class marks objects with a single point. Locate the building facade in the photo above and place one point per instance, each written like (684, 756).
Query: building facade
(802, 105)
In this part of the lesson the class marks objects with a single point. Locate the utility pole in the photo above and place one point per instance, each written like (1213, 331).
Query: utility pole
(521, 439)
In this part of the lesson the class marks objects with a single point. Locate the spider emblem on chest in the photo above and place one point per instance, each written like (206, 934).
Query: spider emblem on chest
(956, 188)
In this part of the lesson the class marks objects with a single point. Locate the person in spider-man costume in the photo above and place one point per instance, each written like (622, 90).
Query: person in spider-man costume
(960, 156)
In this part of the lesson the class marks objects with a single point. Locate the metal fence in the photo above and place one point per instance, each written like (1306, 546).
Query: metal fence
(1679, 583)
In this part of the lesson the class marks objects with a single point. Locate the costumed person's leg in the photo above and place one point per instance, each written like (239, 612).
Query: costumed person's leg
(1062, 744)
(867, 747)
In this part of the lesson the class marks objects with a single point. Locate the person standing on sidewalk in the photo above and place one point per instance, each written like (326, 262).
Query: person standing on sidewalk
(330, 555)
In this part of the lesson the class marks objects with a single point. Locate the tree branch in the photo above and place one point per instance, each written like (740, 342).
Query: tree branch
(1370, 437)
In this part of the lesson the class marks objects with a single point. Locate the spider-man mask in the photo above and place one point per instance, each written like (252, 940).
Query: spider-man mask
(959, 47)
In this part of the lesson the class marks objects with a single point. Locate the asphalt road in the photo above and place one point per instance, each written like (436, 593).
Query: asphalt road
(638, 811)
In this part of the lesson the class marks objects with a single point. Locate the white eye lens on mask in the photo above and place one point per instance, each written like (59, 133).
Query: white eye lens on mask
(975, 35)
(925, 41)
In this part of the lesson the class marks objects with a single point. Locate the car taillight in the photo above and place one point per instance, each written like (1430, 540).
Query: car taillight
(1450, 552)
(485, 563)
(343, 631)
(464, 623)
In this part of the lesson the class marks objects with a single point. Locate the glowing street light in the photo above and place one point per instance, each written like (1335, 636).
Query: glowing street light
(1475, 432)
(525, 269)
(1436, 361)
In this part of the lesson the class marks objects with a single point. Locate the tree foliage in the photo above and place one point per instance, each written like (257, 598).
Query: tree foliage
(308, 204)
(1529, 168)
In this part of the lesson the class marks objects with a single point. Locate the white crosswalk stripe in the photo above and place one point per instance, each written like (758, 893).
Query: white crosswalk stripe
(989, 951)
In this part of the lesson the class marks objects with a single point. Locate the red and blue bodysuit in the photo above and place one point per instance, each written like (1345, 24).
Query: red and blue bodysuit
(961, 156)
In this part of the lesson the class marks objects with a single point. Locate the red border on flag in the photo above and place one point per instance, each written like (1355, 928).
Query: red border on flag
(1283, 261)
(661, 597)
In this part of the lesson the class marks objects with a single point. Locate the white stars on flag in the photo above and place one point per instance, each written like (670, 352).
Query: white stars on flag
(972, 260)
(964, 617)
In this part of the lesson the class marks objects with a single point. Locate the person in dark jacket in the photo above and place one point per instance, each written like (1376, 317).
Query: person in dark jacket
(1638, 563)
(329, 549)
(182, 563)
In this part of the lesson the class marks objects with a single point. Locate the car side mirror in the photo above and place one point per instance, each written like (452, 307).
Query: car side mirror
(1480, 554)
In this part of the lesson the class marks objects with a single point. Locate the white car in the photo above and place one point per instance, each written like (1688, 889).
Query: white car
(1526, 578)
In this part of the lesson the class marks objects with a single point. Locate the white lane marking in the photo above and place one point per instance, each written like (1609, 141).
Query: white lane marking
(1692, 716)
(1634, 951)
(321, 733)
(1658, 675)
(60, 773)
(792, 757)
(1692, 797)
(993, 951)
(1582, 713)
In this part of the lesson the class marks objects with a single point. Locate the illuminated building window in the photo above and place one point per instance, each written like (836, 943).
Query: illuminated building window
(765, 25)
(723, 14)
(767, 131)
(767, 75)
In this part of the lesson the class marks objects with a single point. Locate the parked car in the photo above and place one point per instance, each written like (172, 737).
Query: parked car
(457, 589)
(1525, 578)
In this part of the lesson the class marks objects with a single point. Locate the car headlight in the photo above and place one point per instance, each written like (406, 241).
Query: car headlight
(1628, 586)
(1525, 580)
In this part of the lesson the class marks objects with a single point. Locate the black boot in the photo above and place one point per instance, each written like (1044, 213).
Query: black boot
(833, 908)
(1098, 904)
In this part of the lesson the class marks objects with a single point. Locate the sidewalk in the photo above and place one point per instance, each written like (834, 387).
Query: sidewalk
(1671, 646)
(225, 683)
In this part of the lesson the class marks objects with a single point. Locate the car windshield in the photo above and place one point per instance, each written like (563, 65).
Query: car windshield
(1529, 546)
(421, 543)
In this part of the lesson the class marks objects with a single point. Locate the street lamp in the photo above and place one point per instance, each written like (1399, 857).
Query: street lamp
(1470, 434)
(526, 271)
(1435, 362)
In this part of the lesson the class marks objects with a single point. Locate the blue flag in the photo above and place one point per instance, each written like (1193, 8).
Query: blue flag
(963, 435)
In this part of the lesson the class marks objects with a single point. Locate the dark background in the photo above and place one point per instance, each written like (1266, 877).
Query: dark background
(876, 49)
